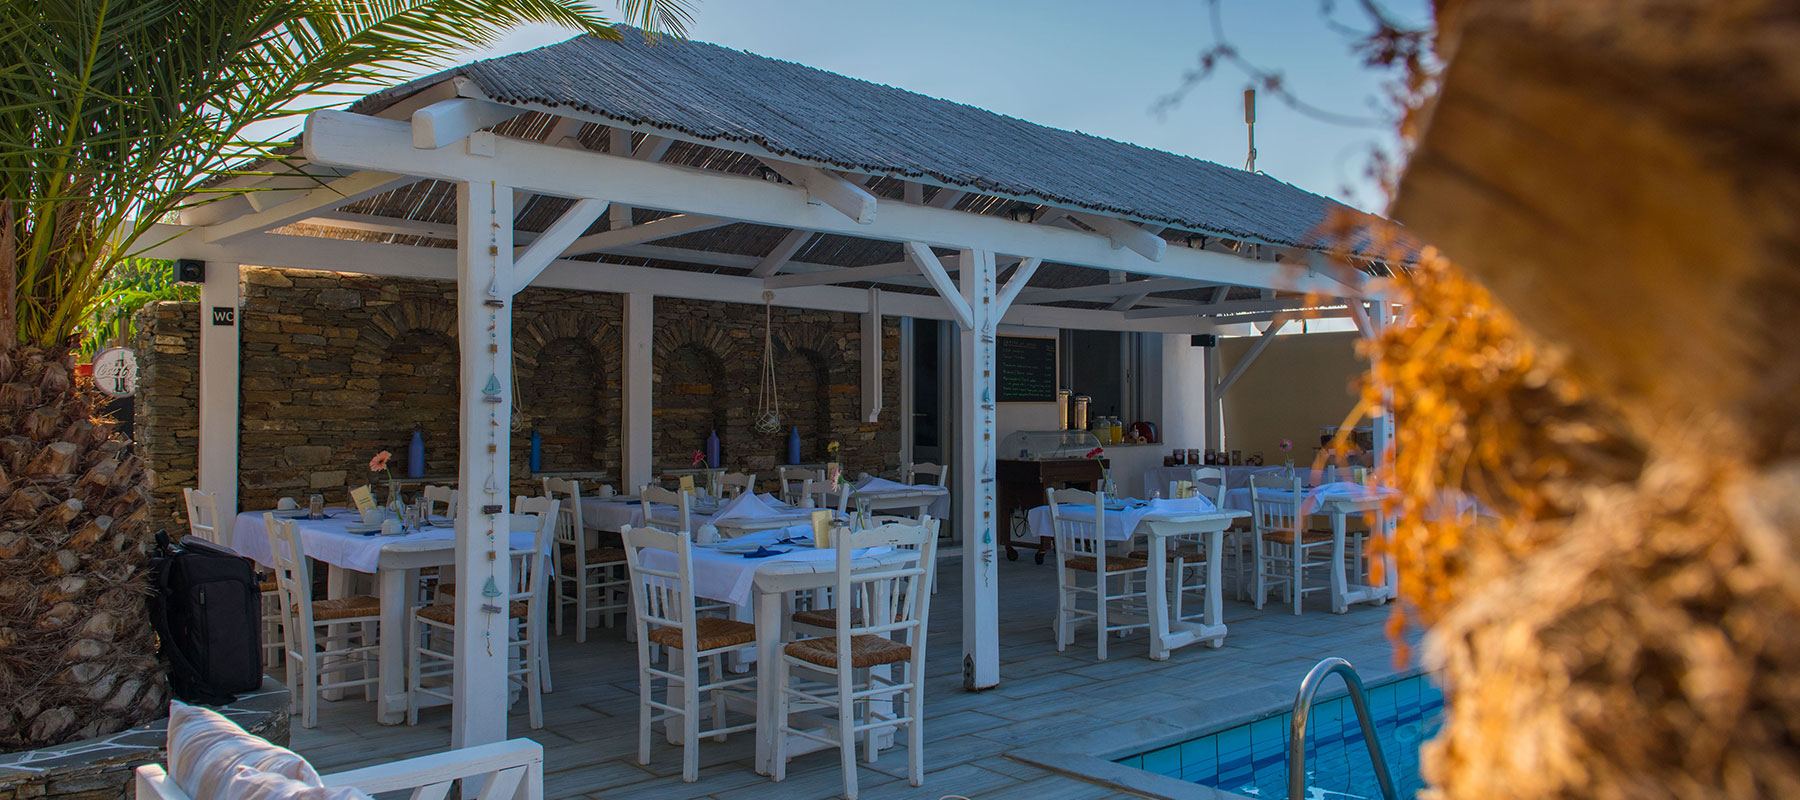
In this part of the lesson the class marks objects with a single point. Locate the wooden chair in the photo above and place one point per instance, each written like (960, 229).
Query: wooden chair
(203, 514)
(593, 579)
(682, 519)
(433, 628)
(1081, 550)
(793, 482)
(510, 770)
(732, 484)
(203, 521)
(665, 614)
(445, 496)
(321, 637)
(1285, 548)
(880, 624)
(912, 471)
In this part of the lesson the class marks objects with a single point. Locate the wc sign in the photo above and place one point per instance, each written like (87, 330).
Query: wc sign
(115, 371)
(224, 315)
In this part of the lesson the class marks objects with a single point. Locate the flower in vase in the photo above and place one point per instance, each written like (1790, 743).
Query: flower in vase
(699, 458)
(1286, 445)
(380, 461)
(1096, 452)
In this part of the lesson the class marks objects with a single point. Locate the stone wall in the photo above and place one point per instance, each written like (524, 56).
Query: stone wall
(168, 406)
(335, 368)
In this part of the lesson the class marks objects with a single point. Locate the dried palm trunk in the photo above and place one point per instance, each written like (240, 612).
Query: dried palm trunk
(77, 654)
(1621, 177)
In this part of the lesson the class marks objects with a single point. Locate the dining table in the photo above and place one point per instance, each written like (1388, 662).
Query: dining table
(395, 562)
(1158, 522)
(1339, 501)
(881, 494)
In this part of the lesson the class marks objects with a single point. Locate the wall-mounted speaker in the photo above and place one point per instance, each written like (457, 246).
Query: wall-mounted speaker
(190, 270)
(1203, 340)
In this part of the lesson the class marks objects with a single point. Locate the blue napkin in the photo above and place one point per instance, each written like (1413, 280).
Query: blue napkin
(764, 552)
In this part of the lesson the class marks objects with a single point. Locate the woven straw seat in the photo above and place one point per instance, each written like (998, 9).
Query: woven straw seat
(824, 617)
(1113, 563)
(865, 651)
(1287, 537)
(447, 589)
(266, 586)
(710, 633)
(345, 607)
(605, 555)
(446, 614)
(1187, 552)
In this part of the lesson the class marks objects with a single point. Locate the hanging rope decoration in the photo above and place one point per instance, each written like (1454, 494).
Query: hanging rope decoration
(768, 401)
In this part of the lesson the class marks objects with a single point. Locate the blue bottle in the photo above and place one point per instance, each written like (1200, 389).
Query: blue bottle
(537, 451)
(712, 450)
(415, 456)
(794, 445)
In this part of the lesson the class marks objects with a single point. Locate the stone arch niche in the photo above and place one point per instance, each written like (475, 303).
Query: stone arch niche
(412, 353)
(565, 366)
(698, 389)
(811, 364)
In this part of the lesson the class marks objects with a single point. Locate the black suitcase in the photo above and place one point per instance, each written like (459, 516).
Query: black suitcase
(207, 609)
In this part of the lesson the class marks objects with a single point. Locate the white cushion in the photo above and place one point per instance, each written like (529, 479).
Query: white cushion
(205, 749)
(247, 783)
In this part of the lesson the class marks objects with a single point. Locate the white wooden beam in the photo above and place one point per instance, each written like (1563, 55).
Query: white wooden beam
(342, 139)
(618, 143)
(653, 148)
(975, 453)
(647, 232)
(1360, 315)
(849, 199)
(637, 423)
(912, 193)
(1021, 277)
(844, 275)
(871, 358)
(531, 260)
(565, 132)
(1100, 291)
(217, 448)
(1227, 307)
(447, 121)
(336, 193)
(1128, 301)
(1249, 357)
(933, 269)
(946, 198)
(784, 251)
(1125, 234)
(378, 224)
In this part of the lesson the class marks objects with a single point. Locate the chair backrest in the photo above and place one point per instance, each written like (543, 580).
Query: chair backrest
(894, 598)
(1077, 537)
(732, 484)
(293, 575)
(528, 580)
(1331, 473)
(661, 596)
(911, 472)
(652, 495)
(508, 769)
(444, 495)
(569, 530)
(1268, 513)
(1210, 480)
(203, 514)
(793, 481)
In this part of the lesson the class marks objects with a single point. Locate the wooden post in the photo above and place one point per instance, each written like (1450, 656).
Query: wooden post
(218, 439)
(871, 358)
(975, 472)
(638, 427)
(484, 282)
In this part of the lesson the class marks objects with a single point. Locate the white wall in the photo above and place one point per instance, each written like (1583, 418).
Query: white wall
(1183, 393)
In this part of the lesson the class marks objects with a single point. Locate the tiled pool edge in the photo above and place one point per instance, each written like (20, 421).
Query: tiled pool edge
(1090, 757)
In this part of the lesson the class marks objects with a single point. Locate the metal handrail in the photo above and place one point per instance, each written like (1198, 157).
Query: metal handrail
(1303, 702)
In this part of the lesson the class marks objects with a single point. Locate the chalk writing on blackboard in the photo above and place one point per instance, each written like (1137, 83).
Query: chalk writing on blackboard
(1027, 369)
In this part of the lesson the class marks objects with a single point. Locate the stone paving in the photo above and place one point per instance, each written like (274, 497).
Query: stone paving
(1045, 700)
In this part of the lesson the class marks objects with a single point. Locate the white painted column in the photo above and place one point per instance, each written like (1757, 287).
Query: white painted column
(975, 473)
(1381, 428)
(483, 528)
(871, 357)
(1215, 400)
(1186, 393)
(218, 461)
(636, 424)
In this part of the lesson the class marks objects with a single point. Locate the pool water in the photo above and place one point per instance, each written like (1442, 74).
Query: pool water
(1251, 759)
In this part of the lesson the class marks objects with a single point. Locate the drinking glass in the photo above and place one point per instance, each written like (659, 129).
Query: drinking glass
(315, 507)
(1153, 495)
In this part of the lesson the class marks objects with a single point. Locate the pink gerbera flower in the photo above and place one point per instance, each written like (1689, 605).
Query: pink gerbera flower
(380, 461)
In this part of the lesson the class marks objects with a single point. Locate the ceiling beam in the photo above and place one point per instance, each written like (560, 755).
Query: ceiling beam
(1100, 291)
(324, 198)
(647, 232)
(447, 121)
(1021, 278)
(1125, 234)
(1227, 307)
(343, 139)
(945, 198)
(784, 251)
(1244, 361)
(929, 264)
(851, 200)
(843, 275)
(377, 224)
(530, 261)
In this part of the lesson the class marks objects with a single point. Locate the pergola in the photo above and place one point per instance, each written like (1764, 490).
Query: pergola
(692, 171)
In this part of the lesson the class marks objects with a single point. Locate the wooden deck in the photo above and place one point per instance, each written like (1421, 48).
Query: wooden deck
(590, 728)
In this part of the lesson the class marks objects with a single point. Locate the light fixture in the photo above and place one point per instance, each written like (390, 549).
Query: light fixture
(763, 172)
(1023, 213)
(1196, 241)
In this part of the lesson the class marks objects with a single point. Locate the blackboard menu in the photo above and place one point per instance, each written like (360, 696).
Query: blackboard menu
(1027, 369)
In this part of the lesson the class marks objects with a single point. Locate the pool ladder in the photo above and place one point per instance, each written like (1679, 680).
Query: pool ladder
(1303, 702)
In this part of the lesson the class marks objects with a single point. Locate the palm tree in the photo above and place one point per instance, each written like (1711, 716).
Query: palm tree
(112, 112)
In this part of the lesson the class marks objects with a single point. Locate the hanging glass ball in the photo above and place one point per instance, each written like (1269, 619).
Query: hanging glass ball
(768, 422)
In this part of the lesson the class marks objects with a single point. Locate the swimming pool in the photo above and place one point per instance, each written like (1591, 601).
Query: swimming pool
(1251, 759)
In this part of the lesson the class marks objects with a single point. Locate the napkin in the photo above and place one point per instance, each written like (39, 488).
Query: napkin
(874, 484)
(746, 506)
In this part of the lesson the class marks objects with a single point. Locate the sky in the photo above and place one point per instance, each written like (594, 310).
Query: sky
(1094, 67)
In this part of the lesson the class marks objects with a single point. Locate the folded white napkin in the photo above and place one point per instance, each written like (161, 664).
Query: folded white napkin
(874, 484)
(746, 506)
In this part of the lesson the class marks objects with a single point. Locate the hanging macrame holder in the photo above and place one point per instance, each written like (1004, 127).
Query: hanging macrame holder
(768, 401)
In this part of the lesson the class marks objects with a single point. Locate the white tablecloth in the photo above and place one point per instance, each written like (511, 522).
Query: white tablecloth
(874, 487)
(1240, 498)
(326, 540)
(1235, 477)
(603, 514)
(730, 577)
(1119, 523)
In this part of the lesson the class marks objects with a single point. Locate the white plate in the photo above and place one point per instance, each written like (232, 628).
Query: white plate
(292, 513)
(735, 547)
(622, 498)
(363, 527)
